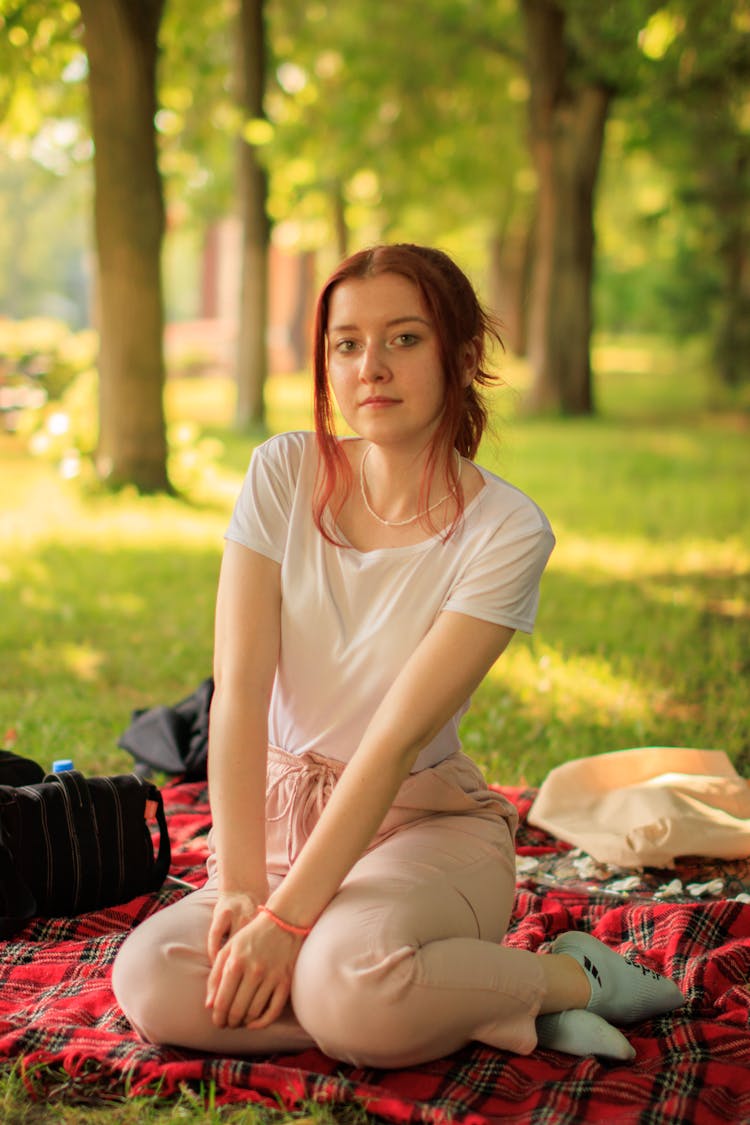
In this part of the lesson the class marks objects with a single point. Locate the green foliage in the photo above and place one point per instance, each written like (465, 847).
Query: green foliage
(654, 269)
(41, 64)
(47, 351)
(420, 143)
(49, 398)
(44, 233)
(198, 123)
(604, 44)
(697, 118)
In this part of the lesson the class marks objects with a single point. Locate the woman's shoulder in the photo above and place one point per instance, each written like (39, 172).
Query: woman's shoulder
(265, 501)
(504, 504)
(291, 444)
(283, 454)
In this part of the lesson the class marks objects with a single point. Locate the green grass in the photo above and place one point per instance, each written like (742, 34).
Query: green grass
(63, 1100)
(643, 635)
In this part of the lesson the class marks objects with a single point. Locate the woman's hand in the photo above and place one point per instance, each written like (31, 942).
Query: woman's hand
(233, 910)
(251, 976)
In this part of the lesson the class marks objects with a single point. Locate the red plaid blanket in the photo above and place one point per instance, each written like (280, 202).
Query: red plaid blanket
(57, 1012)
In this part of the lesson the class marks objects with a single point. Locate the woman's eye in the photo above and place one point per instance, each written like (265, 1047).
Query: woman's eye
(406, 339)
(345, 346)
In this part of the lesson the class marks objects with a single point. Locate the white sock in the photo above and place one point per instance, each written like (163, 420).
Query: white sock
(620, 990)
(578, 1032)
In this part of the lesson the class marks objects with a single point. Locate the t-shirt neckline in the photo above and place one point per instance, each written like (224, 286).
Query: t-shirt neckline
(423, 544)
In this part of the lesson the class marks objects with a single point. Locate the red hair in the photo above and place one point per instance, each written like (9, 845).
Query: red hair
(458, 320)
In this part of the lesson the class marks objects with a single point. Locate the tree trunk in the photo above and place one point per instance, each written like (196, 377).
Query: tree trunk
(732, 345)
(121, 43)
(733, 336)
(340, 229)
(566, 123)
(509, 253)
(252, 351)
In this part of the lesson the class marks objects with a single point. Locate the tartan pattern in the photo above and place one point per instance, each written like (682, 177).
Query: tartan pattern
(58, 1017)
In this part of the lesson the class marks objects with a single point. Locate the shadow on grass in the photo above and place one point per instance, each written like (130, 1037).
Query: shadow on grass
(664, 660)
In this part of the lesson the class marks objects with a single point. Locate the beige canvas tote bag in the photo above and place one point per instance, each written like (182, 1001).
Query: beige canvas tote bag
(644, 807)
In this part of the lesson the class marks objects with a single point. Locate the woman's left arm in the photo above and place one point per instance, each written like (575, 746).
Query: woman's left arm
(440, 675)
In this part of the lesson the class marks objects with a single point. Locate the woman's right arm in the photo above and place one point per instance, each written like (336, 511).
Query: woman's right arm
(246, 650)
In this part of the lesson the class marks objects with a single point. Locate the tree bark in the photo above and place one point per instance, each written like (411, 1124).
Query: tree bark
(121, 43)
(252, 350)
(509, 252)
(340, 228)
(566, 124)
(733, 336)
(732, 345)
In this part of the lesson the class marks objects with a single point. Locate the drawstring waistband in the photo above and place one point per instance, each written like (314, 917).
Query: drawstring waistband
(310, 779)
(299, 786)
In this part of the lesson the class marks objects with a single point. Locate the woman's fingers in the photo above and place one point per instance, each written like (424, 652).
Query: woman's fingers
(233, 986)
(274, 1007)
(258, 1007)
(250, 978)
(223, 980)
(247, 995)
(219, 931)
(216, 988)
(250, 996)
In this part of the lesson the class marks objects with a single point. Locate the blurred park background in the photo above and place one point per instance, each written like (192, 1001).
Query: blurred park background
(176, 178)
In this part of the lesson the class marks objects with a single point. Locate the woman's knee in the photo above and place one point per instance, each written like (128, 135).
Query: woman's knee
(142, 984)
(157, 977)
(353, 1003)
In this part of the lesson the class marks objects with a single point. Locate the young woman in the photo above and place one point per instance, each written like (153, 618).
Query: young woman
(361, 874)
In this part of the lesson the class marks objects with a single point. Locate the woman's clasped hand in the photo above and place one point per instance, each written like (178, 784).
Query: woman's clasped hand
(252, 961)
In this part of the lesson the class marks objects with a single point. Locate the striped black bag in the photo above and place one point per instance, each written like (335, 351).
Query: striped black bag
(70, 844)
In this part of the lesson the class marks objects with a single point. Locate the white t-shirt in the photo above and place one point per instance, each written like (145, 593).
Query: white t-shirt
(351, 619)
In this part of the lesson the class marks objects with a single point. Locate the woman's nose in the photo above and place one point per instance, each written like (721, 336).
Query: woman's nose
(373, 367)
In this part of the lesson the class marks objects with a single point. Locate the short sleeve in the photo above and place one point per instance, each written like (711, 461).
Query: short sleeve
(501, 581)
(260, 519)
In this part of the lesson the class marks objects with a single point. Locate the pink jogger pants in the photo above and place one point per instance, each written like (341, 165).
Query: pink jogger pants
(404, 965)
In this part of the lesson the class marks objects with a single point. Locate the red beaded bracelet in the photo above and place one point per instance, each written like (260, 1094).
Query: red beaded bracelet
(289, 927)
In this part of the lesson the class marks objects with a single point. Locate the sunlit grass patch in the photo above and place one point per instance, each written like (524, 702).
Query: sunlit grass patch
(42, 507)
(639, 558)
(572, 687)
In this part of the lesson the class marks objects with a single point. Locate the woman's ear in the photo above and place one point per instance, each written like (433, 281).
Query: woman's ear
(470, 361)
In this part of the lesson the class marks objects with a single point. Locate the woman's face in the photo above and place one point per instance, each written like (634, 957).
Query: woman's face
(384, 360)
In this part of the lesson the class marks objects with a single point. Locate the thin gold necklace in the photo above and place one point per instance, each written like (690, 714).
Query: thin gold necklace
(411, 519)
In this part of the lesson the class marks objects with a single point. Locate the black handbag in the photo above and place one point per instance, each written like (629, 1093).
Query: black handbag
(15, 770)
(70, 844)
